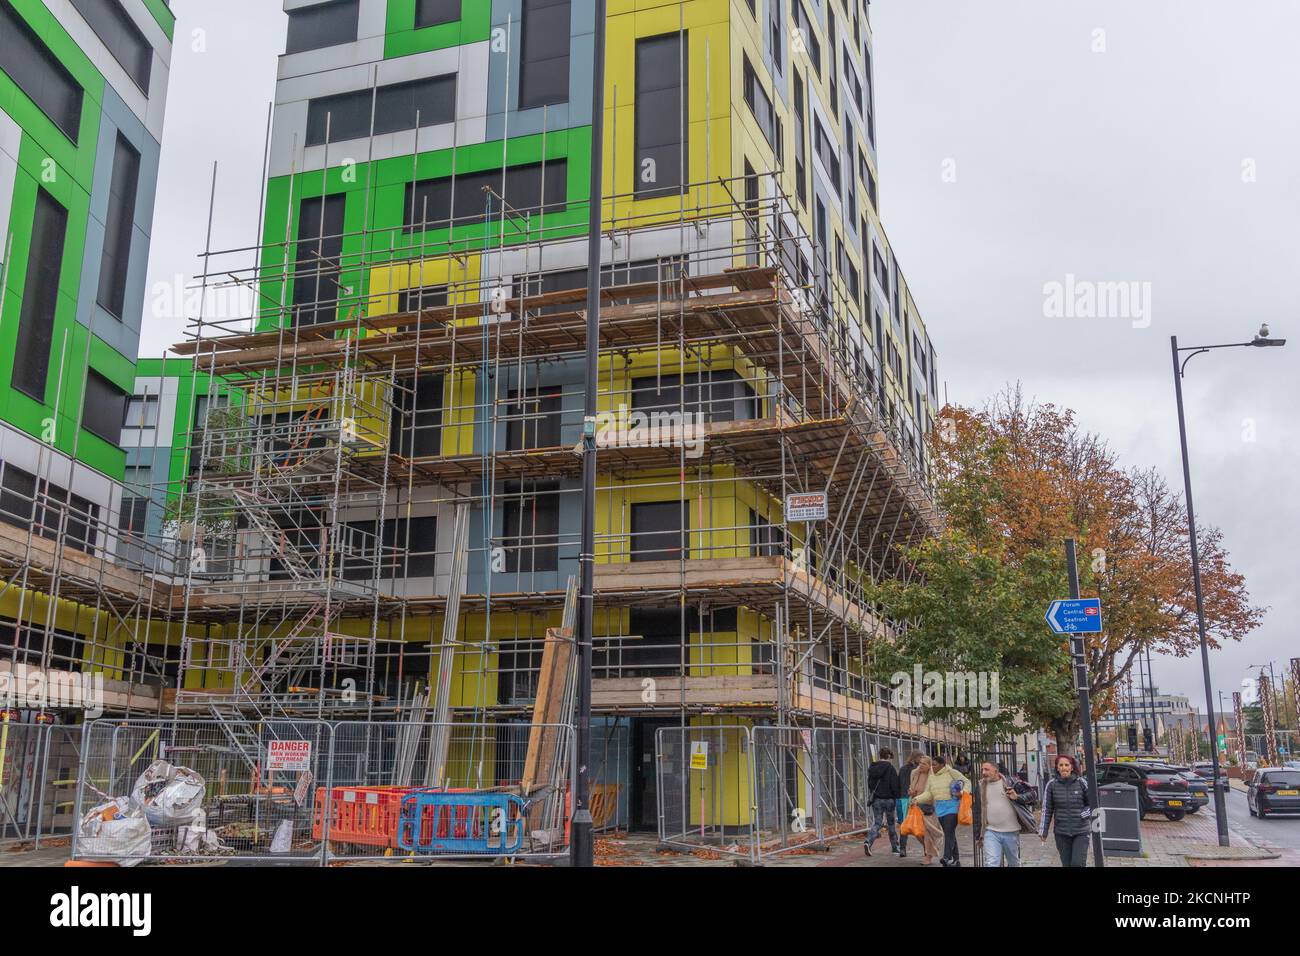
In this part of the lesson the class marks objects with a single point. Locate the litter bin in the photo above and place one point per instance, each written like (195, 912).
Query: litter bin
(1121, 832)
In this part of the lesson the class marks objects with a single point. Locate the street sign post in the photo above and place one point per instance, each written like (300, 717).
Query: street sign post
(1078, 616)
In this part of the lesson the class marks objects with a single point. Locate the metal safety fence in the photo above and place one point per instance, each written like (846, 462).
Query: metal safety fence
(314, 792)
(754, 793)
(38, 781)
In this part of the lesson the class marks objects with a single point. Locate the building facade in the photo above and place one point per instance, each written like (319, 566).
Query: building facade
(83, 88)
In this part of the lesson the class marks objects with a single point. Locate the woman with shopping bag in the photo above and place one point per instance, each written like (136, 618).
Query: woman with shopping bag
(943, 793)
(930, 833)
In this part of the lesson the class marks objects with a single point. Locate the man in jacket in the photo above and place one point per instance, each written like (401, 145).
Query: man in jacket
(1065, 800)
(943, 792)
(883, 791)
(1000, 824)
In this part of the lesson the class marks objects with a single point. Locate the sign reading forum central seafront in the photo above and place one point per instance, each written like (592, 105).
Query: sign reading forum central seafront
(1079, 616)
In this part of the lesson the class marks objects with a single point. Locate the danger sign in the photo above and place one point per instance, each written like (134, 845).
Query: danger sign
(291, 755)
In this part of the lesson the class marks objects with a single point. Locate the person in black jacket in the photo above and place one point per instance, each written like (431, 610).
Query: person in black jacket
(1065, 799)
(882, 791)
(900, 805)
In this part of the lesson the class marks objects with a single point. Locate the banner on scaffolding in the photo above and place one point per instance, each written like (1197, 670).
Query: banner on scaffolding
(806, 507)
(288, 755)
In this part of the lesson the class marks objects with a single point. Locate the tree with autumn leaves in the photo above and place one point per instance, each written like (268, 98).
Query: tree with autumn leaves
(1014, 480)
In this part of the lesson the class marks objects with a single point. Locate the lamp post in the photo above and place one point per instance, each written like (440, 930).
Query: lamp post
(1262, 340)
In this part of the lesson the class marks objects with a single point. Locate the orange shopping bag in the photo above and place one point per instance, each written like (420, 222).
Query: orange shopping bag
(913, 823)
(965, 813)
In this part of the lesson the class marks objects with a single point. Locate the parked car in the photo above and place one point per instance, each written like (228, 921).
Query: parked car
(1273, 790)
(1198, 788)
(1160, 789)
(1205, 769)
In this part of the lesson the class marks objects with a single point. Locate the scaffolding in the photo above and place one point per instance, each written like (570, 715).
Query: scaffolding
(734, 374)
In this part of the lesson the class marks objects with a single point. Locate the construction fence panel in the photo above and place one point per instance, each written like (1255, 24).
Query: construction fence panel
(810, 787)
(38, 779)
(428, 791)
(705, 785)
(209, 789)
(611, 765)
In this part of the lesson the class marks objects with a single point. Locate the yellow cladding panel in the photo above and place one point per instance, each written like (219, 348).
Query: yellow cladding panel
(388, 282)
(708, 79)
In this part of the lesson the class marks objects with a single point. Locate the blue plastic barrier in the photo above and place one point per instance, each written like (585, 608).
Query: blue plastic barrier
(478, 824)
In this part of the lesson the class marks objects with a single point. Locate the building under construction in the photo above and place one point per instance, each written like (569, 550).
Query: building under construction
(359, 498)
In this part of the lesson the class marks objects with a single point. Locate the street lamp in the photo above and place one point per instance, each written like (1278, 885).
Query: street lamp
(1261, 340)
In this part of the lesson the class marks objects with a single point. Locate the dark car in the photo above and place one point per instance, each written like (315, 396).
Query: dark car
(1205, 769)
(1160, 789)
(1273, 790)
(1198, 788)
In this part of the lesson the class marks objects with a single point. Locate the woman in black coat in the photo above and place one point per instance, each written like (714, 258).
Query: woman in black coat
(1065, 800)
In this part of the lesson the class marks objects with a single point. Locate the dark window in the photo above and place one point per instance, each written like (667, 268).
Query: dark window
(17, 496)
(430, 13)
(347, 116)
(519, 663)
(37, 72)
(119, 224)
(855, 86)
(134, 515)
(718, 396)
(114, 26)
(660, 531)
(417, 418)
(766, 539)
(800, 141)
(326, 24)
(531, 526)
(656, 646)
(544, 56)
(834, 67)
(811, 43)
(104, 409)
(828, 152)
(40, 297)
(320, 250)
(46, 511)
(410, 548)
(759, 103)
(533, 188)
(533, 421)
(142, 413)
(775, 31)
(416, 300)
(661, 121)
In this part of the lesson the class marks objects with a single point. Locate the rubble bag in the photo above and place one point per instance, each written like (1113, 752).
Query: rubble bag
(169, 795)
(965, 812)
(117, 830)
(914, 823)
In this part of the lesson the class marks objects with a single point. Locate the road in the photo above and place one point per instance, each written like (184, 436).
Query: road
(1273, 831)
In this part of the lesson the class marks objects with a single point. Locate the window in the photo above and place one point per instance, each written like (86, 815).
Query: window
(775, 32)
(717, 396)
(320, 251)
(48, 509)
(655, 649)
(834, 67)
(544, 53)
(104, 408)
(114, 26)
(869, 100)
(660, 531)
(40, 297)
(142, 416)
(851, 78)
(410, 548)
(119, 224)
(766, 540)
(38, 73)
(346, 116)
(800, 141)
(519, 663)
(417, 420)
(879, 268)
(828, 152)
(536, 187)
(759, 103)
(324, 25)
(813, 46)
(531, 526)
(417, 300)
(533, 421)
(430, 13)
(661, 122)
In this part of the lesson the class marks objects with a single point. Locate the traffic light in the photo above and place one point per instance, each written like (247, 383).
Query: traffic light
(1147, 744)
(1132, 737)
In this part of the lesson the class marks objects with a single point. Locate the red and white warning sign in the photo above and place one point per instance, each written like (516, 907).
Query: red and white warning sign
(290, 755)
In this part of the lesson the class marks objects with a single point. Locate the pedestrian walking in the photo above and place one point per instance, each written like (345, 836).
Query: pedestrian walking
(1065, 802)
(933, 837)
(905, 800)
(883, 793)
(943, 789)
(1005, 816)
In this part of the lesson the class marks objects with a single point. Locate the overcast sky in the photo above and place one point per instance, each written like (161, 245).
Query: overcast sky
(1021, 142)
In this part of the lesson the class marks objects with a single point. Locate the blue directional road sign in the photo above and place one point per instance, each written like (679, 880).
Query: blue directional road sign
(1079, 616)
